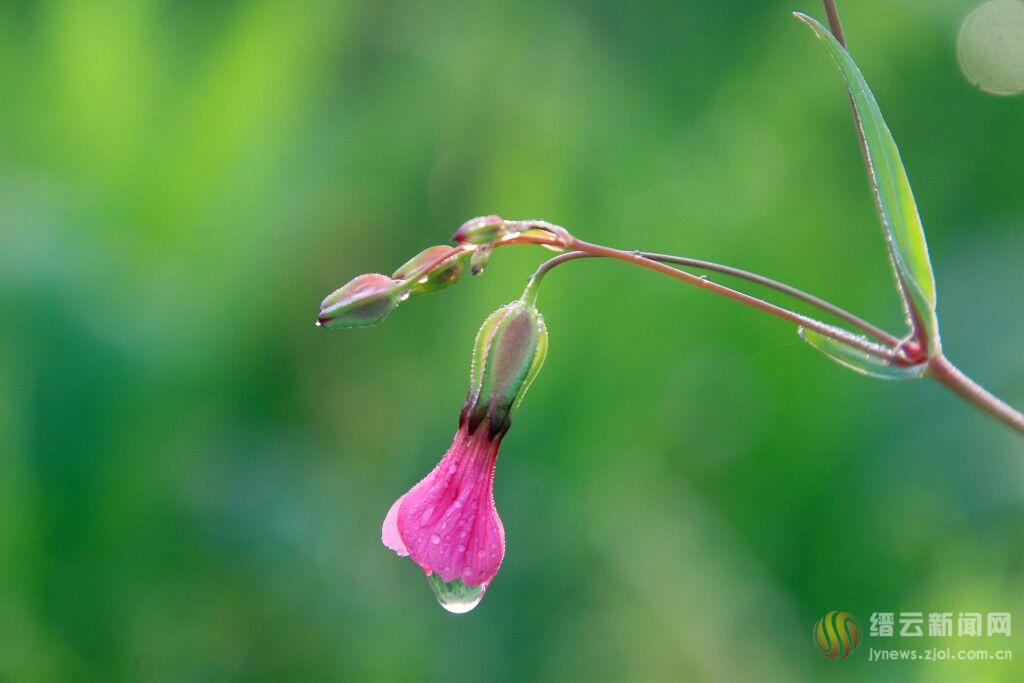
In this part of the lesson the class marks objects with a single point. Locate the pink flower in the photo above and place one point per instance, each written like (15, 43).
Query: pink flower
(447, 523)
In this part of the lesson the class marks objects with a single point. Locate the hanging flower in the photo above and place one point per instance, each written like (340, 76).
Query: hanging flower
(448, 523)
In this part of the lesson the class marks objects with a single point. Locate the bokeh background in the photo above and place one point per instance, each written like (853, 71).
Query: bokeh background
(193, 477)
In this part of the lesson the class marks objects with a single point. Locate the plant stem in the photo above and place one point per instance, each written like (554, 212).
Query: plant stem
(939, 368)
(830, 331)
(559, 238)
(840, 313)
(947, 374)
(543, 268)
(833, 21)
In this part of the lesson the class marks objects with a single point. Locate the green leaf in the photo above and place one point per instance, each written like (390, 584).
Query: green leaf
(894, 199)
(858, 360)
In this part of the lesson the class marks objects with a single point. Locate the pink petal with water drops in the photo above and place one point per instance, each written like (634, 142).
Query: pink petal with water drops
(447, 523)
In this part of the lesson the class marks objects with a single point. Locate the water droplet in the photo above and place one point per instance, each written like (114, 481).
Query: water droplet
(453, 469)
(425, 517)
(435, 539)
(460, 548)
(456, 597)
(458, 503)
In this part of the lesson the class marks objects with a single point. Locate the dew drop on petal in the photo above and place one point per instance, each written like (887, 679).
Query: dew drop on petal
(455, 596)
(425, 517)
(435, 539)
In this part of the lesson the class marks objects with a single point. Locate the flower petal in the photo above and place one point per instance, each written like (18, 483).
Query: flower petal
(448, 523)
(389, 533)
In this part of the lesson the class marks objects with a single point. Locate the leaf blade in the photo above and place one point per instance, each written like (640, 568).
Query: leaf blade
(857, 360)
(894, 199)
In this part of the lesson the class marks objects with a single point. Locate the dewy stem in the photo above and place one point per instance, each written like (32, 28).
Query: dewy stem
(559, 238)
(830, 331)
(565, 240)
(840, 313)
(939, 367)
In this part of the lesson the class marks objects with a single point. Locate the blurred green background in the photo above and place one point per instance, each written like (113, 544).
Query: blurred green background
(193, 477)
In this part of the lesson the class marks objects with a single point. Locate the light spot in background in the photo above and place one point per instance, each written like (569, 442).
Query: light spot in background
(990, 47)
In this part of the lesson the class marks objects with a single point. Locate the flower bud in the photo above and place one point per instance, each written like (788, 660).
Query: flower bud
(480, 230)
(509, 351)
(361, 302)
(479, 258)
(441, 277)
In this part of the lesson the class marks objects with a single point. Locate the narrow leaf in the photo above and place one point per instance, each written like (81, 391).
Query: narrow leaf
(894, 199)
(857, 360)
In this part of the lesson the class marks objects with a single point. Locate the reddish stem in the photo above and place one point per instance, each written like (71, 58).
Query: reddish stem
(830, 331)
(947, 374)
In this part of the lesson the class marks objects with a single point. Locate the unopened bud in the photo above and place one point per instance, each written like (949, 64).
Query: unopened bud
(509, 351)
(480, 230)
(361, 302)
(478, 260)
(443, 276)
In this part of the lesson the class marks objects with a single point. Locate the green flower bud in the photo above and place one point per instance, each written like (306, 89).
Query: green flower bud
(362, 302)
(480, 230)
(509, 351)
(441, 277)
(479, 258)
